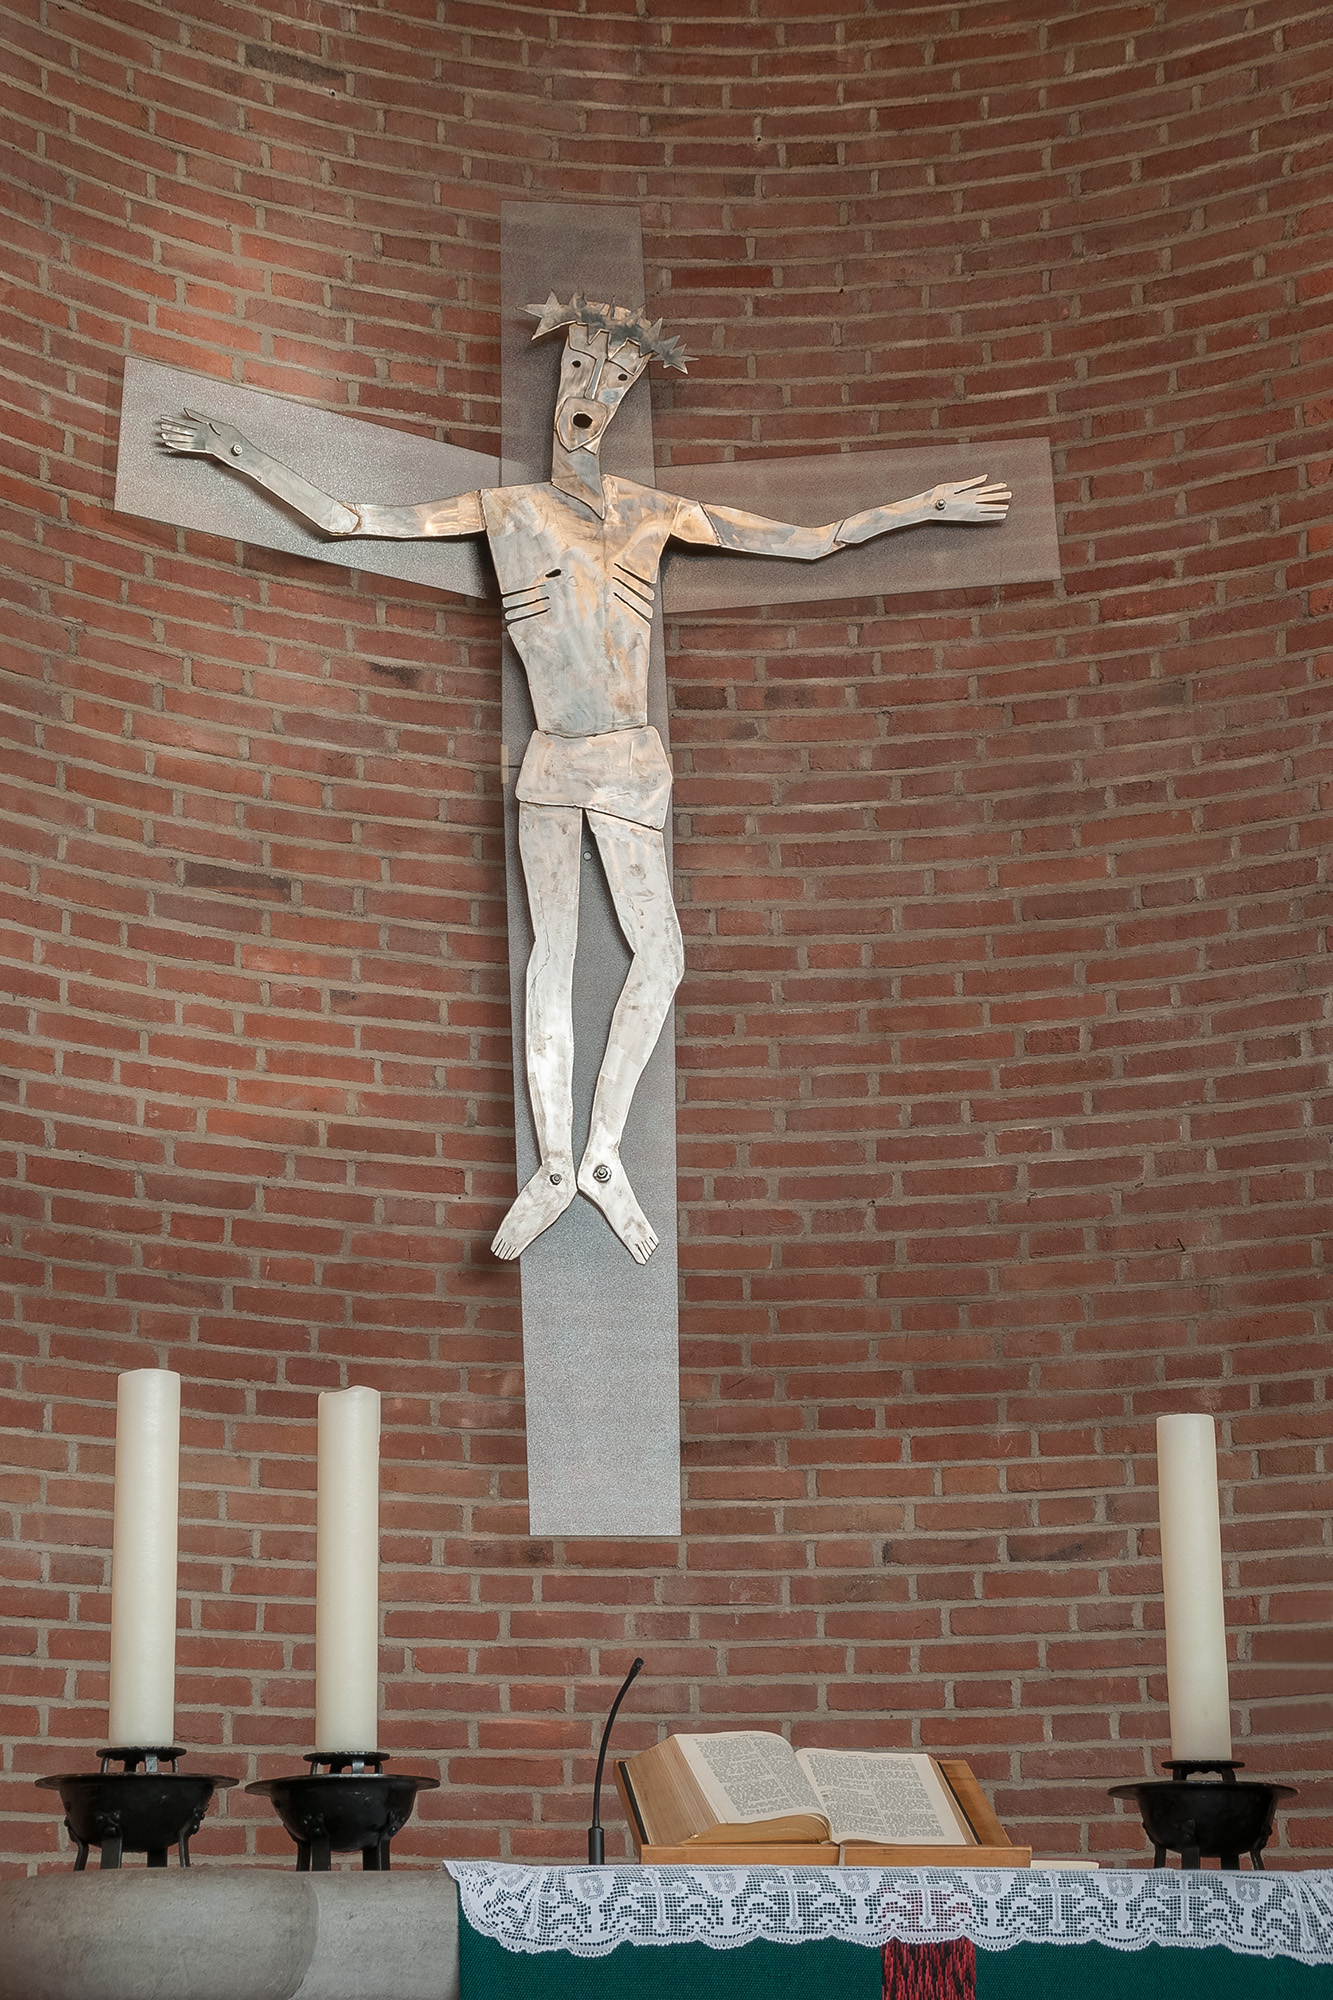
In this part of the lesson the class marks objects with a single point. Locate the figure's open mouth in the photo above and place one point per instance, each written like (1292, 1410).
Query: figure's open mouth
(579, 423)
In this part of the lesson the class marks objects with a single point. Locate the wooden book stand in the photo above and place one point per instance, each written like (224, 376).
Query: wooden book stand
(991, 1847)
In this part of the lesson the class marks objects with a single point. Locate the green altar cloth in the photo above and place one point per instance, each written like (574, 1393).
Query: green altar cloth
(785, 1933)
(827, 1967)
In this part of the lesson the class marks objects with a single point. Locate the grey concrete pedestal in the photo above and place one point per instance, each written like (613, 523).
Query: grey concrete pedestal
(229, 1934)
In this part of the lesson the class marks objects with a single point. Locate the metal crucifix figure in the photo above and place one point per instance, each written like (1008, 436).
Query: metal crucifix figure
(577, 557)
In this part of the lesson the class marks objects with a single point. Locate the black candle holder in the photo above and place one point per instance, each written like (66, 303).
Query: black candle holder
(1219, 1819)
(134, 1811)
(351, 1804)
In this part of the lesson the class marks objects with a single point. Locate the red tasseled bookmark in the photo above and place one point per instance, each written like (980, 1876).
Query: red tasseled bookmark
(931, 1971)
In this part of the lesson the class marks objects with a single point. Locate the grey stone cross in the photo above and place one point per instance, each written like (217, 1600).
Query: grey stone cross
(583, 654)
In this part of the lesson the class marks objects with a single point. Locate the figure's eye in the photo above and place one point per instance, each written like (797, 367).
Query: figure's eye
(578, 364)
(622, 378)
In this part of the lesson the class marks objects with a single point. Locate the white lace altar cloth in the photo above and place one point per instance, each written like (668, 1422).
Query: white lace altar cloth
(589, 1911)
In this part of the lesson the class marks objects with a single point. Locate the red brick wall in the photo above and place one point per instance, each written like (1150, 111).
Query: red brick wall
(1004, 1039)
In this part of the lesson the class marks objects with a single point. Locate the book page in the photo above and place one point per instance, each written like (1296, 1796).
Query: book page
(882, 1795)
(748, 1775)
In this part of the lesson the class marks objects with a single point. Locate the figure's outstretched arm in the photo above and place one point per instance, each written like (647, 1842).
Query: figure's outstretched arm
(208, 437)
(958, 501)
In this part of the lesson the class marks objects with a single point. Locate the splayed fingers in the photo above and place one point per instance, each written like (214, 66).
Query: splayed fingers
(977, 499)
(191, 431)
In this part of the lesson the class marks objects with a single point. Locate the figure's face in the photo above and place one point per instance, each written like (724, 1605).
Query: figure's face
(594, 376)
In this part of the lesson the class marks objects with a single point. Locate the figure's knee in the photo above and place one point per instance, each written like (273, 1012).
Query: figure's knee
(550, 962)
(664, 951)
(675, 952)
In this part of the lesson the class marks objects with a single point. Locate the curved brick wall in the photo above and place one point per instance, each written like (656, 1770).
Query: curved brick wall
(1006, 1021)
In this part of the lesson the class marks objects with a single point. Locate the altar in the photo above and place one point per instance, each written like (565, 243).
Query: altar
(487, 1930)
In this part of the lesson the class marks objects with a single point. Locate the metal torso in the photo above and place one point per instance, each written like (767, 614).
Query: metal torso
(578, 597)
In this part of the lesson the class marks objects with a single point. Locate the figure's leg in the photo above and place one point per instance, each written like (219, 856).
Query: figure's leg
(549, 839)
(634, 858)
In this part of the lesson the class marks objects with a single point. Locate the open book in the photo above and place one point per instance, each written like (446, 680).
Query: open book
(750, 1785)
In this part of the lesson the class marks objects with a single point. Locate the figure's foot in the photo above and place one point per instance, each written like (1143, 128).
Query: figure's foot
(604, 1181)
(547, 1195)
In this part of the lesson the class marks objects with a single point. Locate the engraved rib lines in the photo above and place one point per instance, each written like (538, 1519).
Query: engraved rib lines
(528, 600)
(635, 592)
(632, 581)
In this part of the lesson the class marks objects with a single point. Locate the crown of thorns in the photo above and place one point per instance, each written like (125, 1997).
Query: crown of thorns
(626, 321)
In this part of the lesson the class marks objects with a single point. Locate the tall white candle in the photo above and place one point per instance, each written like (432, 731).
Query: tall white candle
(347, 1571)
(1196, 1632)
(143, 1560)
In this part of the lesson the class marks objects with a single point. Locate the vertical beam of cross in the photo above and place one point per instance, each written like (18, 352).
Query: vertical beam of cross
(600, 1354)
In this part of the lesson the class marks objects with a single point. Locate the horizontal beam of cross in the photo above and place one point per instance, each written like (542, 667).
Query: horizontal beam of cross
(357, 460)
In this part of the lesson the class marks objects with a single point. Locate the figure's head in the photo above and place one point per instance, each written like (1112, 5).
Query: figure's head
(607, 348)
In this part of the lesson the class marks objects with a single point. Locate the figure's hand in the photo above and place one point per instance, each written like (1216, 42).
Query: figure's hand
(958, 500)
(968, 500)
(192, 432)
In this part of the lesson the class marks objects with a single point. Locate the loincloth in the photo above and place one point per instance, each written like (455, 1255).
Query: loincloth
(623, 772)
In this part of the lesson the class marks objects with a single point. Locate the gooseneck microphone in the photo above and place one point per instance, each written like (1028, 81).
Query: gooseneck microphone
(596, 1838)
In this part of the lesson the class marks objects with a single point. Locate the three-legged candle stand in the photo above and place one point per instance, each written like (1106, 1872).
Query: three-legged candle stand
(1221, 1818)
(351, 1804)
(134, 1811)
